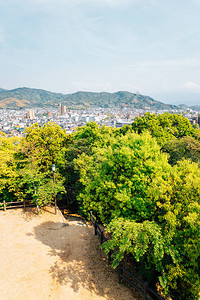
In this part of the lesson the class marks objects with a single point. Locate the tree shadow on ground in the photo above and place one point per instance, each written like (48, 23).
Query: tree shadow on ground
(28, 213)
(48, 208)
(80, 262)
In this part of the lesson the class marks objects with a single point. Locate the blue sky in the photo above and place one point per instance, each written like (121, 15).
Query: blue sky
(146, 46)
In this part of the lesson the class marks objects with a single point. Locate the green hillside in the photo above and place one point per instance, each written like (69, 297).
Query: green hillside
(195, 107)
(27, 97)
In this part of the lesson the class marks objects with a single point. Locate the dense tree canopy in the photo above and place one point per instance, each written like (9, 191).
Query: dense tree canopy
(150, 208)
(9, 177)
(186, 147)
(84, 140)
(164, 126)
(46, 143)
(26, 164)
(41, 147)
(119, 177)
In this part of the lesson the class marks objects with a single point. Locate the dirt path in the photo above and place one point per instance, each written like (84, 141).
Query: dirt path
(41, 257)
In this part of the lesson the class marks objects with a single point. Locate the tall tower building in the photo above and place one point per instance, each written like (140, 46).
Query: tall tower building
(30, 115)
(62, 109)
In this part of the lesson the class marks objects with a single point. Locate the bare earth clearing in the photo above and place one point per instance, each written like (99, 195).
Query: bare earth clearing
(41, 257)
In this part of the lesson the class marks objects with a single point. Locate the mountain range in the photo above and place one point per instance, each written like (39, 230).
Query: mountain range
(29, 98)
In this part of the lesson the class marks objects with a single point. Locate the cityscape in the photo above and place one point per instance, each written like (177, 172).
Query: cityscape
(13, 122)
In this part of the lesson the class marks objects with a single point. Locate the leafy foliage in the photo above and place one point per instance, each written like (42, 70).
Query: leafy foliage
(83, 141)
(118, 177)
(41, 147)
(9, 177)
(26, 164)
(164, 126)
(150, 208)
(46, 142)
(186, 147)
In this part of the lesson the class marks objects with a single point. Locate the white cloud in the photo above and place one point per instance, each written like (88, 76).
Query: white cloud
(185, 62)
(89, 86)
(2, 35)
(113, 3)
(101, 86)
(58, 2)
(193, 86)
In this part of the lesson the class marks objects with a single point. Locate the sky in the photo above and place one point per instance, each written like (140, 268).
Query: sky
(146, 46)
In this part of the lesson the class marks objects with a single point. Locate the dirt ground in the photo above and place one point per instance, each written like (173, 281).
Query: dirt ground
(44, 257)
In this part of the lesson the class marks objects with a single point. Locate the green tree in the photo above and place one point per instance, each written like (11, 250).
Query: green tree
(118, 178)
(186, 147)
(40, 148)
(50, 139)
(164, 126)
(84, 140)
(9, 176)
(151, 209)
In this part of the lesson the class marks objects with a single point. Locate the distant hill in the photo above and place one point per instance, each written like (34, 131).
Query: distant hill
(183, 106)
(27, 97)
(195, 107)
(2, 90)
